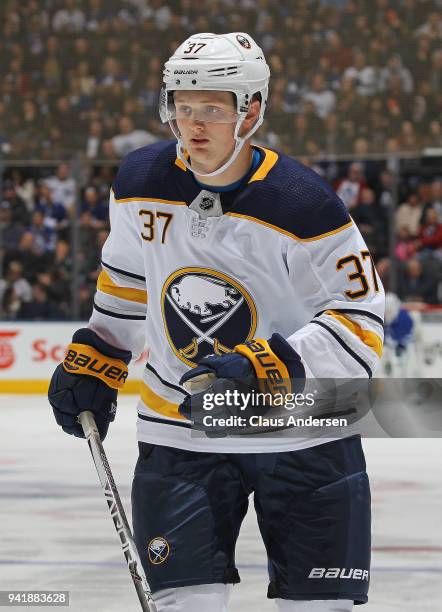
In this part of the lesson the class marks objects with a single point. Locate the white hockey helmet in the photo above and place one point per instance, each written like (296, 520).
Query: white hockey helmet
(216, 62)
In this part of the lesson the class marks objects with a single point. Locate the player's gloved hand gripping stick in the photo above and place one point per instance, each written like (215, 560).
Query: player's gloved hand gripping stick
(271, 366)
(83, 394)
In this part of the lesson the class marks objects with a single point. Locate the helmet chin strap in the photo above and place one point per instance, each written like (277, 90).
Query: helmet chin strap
(239, 143)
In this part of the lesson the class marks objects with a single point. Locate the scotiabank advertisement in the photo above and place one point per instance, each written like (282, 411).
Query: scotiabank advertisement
(29, 353)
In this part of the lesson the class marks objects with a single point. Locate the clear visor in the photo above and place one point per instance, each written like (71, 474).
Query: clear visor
(205, 112)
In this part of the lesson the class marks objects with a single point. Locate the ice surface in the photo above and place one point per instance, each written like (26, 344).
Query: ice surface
(55, 532)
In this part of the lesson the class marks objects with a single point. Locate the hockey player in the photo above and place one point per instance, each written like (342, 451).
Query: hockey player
(402, 354)
(218, 246)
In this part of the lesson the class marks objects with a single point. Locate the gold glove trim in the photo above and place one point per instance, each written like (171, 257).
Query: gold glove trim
(272, 373)
(84, 359)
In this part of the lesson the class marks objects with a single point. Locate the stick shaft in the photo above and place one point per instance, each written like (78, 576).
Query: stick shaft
(116, 509)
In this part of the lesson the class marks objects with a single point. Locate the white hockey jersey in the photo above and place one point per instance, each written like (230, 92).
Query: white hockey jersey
(194, 272)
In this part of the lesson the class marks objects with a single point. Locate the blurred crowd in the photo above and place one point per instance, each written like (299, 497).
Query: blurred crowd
(48, 237)
(52, 228)
(348, 76)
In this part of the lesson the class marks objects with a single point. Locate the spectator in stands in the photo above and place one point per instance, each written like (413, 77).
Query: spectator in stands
(417, 283)
(60, 268)
(397, 105)
(9, 305)
(349, 188)
(366, 216)
(149, 94)
(85, 301)
(62, 187)
(24, 188)
(409, 214)
(405, 244)
(336, 50)
(17, 204)
(112, 74)
(434, 135)
(69, 19)
(11, 232)
(129, 138)
(429, 242)
(361, 148)
(362, 76)
(436, 70)
(40, 234)
(409, 141)
(40, 307)
(323, 98)
(331, 133)
(294, 86)
(86, 80)
(54, 211)
(94, 139)
(432, 28)
(384, 189)
(435, 200)
(383, 267)
(15, 280)
(95, 208)
(393, 68)
(92, 263)
(348, 102)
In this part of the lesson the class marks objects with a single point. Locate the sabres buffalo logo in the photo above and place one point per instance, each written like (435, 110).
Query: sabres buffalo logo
(243, 41)
(158, 550)
(206, 312)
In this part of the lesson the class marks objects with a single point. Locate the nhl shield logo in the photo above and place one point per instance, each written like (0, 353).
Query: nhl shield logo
(207, 203)
(158, 550)
(206, 312)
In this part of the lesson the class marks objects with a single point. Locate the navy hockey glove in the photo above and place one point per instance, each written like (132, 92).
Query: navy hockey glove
(268, 366)
(88, 379)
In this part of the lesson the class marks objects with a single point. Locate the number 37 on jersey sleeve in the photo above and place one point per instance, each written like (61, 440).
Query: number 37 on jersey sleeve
(361, 284)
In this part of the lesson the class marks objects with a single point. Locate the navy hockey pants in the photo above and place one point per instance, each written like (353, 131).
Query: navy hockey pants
(312, 505)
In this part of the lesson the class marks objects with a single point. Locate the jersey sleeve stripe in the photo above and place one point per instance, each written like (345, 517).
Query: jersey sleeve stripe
(144, 417)
(355, 311)
(119, 306)
(282, 231)
(165, 382)
(116, 315)
(345, 347)
(369, 338)
(107, 285)
(123, 272)
(159, 404)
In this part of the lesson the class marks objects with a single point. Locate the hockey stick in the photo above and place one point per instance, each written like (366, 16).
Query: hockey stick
(87, 421)
(200, 383)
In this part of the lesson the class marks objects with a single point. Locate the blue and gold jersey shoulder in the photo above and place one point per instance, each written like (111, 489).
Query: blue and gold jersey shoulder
(292, 198)
(151, 172)
(280, 192)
